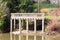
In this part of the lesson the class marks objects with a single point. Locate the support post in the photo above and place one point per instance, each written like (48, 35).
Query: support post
(35, 29)
(14, 27)
(27, 29)
(19, 29)
(10, 29)
(14, 23)
(43, 27)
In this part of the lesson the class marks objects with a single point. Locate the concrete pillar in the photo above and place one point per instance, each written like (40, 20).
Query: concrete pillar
(19, 29)
(27, 29)
(43, 27)
(10, 29)
(35, 29)
(14, 23)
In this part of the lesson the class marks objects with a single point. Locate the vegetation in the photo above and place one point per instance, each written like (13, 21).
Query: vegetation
(21, 6)
(46, 5)
(14, 7)
(3, 13)
(54, 24)
(18, 6)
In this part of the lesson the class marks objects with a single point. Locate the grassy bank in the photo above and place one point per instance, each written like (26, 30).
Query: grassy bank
(46, 5)
(52, 17)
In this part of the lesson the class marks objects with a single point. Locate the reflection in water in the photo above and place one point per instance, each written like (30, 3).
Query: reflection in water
(6, 36)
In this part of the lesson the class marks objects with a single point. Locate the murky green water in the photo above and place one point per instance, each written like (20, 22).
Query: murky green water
(6, 36)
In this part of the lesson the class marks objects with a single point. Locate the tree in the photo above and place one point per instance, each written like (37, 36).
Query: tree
(21, 6)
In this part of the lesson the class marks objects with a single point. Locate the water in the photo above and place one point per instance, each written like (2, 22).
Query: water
(6, 36)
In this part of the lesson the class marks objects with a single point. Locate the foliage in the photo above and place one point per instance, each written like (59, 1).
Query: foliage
(48, 1)
(1, 22)
(54, 25)
(6, 25)
(13, 6)
(46, 5)
(3, 13)
(21, 6)
(55, 12)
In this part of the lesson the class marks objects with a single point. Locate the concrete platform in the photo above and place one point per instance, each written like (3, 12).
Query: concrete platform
(24, 32)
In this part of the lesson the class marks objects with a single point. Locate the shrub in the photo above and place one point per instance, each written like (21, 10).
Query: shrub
(3, 13)
(54, 24)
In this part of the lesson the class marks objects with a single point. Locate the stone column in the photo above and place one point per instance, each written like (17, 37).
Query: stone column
(26, 29)
(34, 29)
